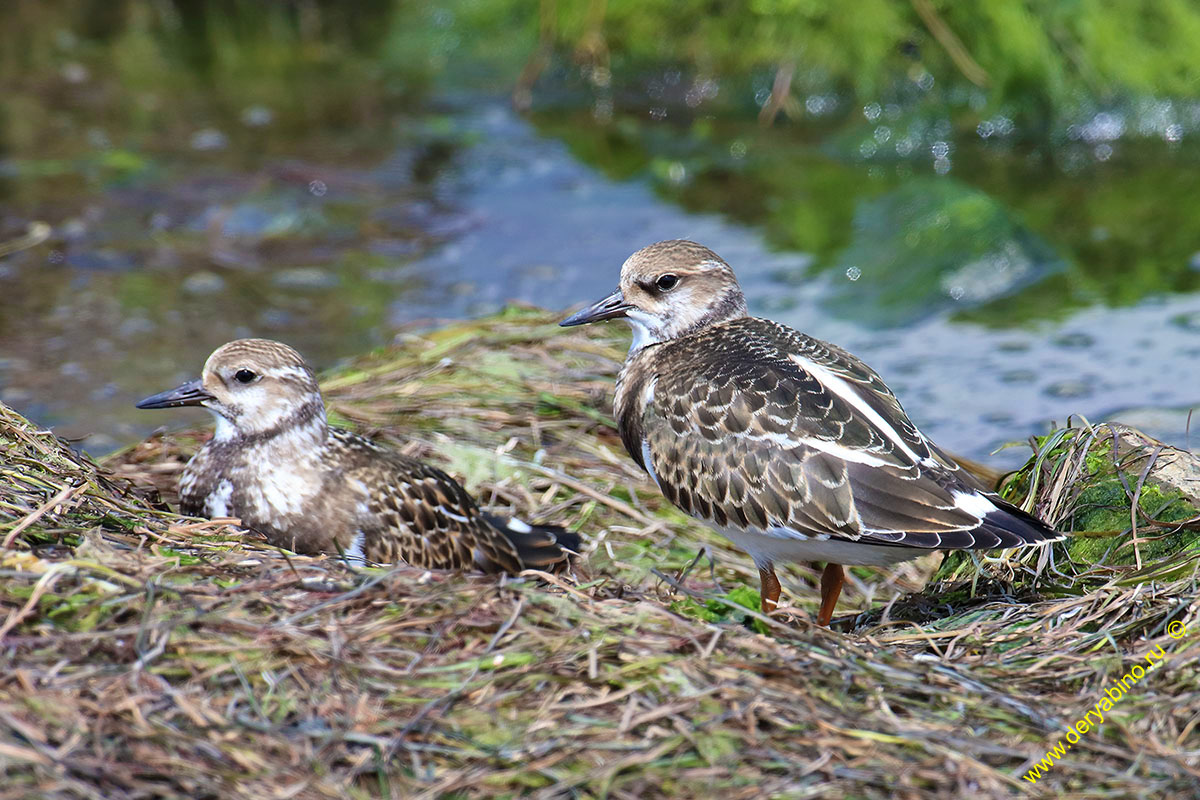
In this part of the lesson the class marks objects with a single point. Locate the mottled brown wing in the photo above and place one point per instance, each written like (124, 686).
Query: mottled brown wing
(747, 436)
(418, 514)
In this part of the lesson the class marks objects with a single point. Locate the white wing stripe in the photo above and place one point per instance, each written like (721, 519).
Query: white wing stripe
(974, 504)
(839, 386)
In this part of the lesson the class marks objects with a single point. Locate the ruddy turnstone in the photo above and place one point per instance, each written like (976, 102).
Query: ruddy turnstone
(791, 447)
(276, 464)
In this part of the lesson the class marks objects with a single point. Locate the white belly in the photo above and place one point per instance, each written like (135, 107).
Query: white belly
(767, 548)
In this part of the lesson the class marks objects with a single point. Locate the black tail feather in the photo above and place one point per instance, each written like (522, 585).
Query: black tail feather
(1017, 527)
(545, 547)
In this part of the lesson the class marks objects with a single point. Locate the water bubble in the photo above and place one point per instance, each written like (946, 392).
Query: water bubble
(676, 172)
(74, 72)
(867, 148)
(1074, 340)
(1103, 152)
(203, 282)
(760, 97)
(925, 81)
(941, 166)
(1018, 376)
(305, 278)
(65, 39)
(73, 369)
(603, 110)
(1071, 387)
(956, 292)
(872, 111)
(98, 138)
(882, 134)
(73, 228)
(257, 116)
(853, 273)
(209, 139)
(601, 76)
(317, 188)
(658, 113)
(738, 149)
(1173, 133)
(985, 129)
(819, 104)
(709, 88)
(1104, 127)
(940, 149)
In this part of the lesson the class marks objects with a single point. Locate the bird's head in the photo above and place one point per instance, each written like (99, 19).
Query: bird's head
(254, 387)
(668, 290)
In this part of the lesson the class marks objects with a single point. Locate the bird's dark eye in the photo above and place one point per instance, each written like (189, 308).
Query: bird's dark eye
(244, 376)
(667, 282)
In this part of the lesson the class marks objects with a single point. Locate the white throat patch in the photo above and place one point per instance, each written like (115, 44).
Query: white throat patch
(225, 432)
(644, 330)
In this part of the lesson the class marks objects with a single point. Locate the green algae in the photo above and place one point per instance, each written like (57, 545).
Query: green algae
(1077, 482)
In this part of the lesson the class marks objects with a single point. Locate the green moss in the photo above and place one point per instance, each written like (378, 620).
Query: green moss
(727, 608)
(1099, 517)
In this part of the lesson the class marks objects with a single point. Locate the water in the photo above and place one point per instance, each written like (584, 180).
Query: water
(997, 282)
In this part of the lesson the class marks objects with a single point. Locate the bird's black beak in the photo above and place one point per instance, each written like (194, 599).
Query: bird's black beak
(189, 394)
(611, 307)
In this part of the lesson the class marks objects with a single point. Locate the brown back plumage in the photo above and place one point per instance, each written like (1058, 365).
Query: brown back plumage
(740, 427)
(420, 515)
(276, 464)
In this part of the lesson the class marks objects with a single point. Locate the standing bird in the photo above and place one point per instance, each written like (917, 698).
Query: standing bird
(276, 464)
(791, 447)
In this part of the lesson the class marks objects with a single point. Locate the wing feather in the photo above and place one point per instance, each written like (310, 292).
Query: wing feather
(416, 513)
(795, 437)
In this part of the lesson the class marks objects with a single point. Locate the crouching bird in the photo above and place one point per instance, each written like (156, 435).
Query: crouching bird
(276, 464)
(791, 447)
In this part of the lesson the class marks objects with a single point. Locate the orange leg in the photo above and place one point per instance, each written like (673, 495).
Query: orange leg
(832, 579)
(770, 588)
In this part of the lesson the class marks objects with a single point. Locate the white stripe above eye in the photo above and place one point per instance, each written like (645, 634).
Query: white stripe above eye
(842, 388)
(287, 372)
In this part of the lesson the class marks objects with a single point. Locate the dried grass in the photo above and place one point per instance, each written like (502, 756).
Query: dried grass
(148, 655)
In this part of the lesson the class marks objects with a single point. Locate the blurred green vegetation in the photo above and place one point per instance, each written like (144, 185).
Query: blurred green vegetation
(1039, 58)
(916, 138)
